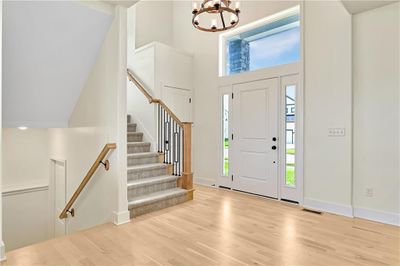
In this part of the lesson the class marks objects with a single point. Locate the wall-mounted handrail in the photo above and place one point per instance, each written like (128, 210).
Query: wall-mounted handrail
(174, 137)
(92, 170)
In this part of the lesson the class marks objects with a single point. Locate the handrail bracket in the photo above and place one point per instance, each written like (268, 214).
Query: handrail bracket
(106, 164)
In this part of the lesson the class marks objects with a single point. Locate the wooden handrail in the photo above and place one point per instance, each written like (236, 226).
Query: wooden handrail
(92, 170)
(140, 86)
(186, 180)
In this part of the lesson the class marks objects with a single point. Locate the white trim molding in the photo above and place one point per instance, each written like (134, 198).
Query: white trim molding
(331, 207)
(2, 251)
(9, 191)
(121, 217)
(391, 218)
(204, 181)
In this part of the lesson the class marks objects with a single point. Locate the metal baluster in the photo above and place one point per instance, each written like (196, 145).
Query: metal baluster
(183, 149)
(173, 147)
(169, 140)
(159, 128)
(165, 137)
(179, 150)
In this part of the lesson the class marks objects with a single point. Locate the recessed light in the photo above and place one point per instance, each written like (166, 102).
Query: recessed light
(22, 128)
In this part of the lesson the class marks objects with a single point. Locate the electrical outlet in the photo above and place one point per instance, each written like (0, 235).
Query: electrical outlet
(369, 192)
(336, 132)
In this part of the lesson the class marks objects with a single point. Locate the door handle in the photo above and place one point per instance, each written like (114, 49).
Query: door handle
(274, 147)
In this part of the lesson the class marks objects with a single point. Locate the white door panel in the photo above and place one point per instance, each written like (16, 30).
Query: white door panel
(255, 124)
(179, 101)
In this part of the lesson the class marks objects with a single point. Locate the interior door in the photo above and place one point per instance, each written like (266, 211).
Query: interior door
(59, 197)
(255, 133)
(179, 101)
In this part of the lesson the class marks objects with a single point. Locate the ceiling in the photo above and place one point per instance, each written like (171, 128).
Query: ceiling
(358, 6)
(49, 48)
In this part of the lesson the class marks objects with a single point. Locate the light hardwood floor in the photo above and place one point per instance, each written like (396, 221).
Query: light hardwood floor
(221, 227)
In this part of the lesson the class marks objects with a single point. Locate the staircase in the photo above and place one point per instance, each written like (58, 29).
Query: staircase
(151, 185)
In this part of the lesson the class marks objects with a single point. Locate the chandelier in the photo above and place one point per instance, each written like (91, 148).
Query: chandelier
(217, 10)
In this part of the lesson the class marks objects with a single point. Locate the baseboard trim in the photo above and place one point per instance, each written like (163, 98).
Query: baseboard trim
(2, 251)
(121, 217)
(325, 206)
(203, 181)
(377, 216)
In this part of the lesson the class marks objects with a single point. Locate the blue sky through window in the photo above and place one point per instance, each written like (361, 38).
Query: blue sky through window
(277, 42)
(278, 49)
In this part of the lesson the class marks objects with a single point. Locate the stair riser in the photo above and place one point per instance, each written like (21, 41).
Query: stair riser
(143, 190)
(157, 205)
(143, 160)
(135, 138)
(136, 175)
(132, 128)
(138, 149)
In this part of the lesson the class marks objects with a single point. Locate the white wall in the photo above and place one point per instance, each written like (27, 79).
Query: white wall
(102, 107)
(26, 216)
(25, 156)
(156, 65)
(328, 101)
(151, 15)
(376, 113)
(206, 106)
(80, 148)
(25, 191)
(328, 183)
(2, 248)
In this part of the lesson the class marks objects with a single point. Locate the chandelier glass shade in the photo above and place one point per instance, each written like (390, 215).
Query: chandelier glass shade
(216, 10)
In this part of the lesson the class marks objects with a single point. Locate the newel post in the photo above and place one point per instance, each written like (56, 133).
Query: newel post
(187, 177)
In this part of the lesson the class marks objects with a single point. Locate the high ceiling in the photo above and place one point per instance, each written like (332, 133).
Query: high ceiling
(49, 48)
(358, 6)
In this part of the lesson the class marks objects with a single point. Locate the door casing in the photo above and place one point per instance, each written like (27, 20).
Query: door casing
(226, 84)
(56, 224)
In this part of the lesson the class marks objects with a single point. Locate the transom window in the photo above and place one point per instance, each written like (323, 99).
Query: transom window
(272, 41)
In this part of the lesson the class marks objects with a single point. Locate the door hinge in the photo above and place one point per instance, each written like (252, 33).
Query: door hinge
(232, 177)
(190, 100)
(232, 136)
(232, 95)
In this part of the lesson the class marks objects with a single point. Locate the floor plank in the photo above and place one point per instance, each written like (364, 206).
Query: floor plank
(221, 227)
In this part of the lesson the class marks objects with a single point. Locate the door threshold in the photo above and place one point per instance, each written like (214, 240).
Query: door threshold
(290, 201)
(255, 194)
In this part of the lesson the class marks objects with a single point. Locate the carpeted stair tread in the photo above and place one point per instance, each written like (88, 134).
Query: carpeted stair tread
(151, 181)
(155, 197)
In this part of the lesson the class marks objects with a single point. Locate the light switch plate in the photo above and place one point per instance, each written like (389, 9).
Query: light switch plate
(336, 132)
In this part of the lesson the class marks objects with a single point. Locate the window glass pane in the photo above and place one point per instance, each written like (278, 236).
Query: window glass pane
(275, 43)
(225, 141)
(290, 135)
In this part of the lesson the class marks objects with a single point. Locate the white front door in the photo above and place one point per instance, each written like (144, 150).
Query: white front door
(255, 135)
(59, 197)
